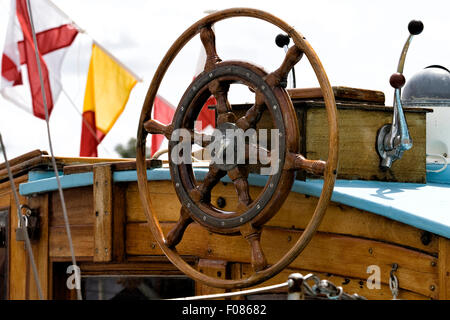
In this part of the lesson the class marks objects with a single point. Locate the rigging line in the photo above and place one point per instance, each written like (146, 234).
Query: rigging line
(19, 217)
(61, 194)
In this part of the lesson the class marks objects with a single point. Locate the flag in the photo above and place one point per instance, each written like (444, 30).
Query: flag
(163, 111)
(54, 34)
(108, 88)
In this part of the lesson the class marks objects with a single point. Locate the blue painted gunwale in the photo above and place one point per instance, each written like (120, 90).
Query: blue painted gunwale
(424, 206)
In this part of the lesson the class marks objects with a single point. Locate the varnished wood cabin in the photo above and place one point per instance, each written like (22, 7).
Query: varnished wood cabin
(375, 218)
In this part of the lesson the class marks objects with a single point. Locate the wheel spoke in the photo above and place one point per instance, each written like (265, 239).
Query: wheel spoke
(239, 177)
(176, 234)
(298, 162)
(202, 193)
(201, 139)
(279, 76)
(220, 91)
(208, 39)
(253, 236)
(155, 127)
(253, 114)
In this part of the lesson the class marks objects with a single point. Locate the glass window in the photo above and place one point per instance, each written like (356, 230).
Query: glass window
(136, 287)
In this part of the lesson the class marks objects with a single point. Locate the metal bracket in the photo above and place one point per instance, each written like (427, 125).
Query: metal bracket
(394, 139)
(29, 223)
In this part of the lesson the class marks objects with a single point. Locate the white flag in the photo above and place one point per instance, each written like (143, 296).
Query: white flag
(54, 35)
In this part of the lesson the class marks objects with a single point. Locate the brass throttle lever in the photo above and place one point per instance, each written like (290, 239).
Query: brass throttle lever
(394, 139)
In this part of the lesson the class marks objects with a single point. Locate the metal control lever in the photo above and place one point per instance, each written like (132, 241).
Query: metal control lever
(394, 139)
(282, 40)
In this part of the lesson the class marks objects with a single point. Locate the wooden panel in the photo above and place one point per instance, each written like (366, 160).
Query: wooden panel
(444, 268)
(79, 205)
(5, 187)
(40, 249)
(163, 199)
(295, 213)
(5, 201)
(349, 285)
(83, 243)
(212, 268)
(22, 164)
(341, 255)
(119, 222)
(23, 157)
(340, 93)
(103, 208)
(18, 260)
(22, 167)
(358, 158)
(116, 166)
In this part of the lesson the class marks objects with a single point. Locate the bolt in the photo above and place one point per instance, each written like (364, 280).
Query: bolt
(425, 238)
(370, 250)
(209, 250)
(432, 287)
(221, 202)
(289, 238)
(433, 263)
(153, 245)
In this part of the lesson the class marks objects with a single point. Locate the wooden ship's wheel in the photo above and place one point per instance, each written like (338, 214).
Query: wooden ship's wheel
(270, 96)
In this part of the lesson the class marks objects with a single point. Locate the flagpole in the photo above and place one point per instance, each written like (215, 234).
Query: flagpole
(81, 30)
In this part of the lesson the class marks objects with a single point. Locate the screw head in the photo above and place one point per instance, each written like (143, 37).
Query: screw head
(221, 202)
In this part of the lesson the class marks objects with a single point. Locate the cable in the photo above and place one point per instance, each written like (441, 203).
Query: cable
(19, 217)
(58, 181)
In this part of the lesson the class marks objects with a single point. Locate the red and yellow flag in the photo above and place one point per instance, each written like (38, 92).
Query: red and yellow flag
(108, 88)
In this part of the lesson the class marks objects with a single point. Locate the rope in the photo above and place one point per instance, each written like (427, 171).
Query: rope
(298, 289)
(238, 293)
(61, 194)
(28, 247)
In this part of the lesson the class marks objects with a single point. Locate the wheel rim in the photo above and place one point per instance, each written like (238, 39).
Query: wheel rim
(329, 172)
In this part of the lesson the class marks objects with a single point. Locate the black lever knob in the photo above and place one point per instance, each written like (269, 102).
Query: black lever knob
(282, 40)
(415, 27)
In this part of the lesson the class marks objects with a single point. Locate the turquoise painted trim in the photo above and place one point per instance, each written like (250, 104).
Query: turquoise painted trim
(438, 177)
(425, 206)
(50, 184)
(35, 175)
